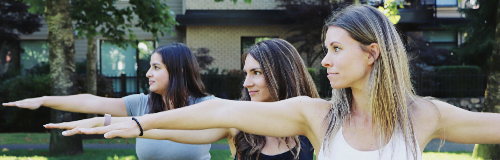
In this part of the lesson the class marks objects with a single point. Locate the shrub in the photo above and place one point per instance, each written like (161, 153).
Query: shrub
(459, 81)
(325, 89)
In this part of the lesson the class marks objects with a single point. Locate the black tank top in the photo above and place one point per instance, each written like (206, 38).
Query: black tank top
(306, 152)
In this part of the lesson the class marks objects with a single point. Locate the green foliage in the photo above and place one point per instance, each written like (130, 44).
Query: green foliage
(103, 17)
(480, 32)
(36, 6)
(21, 87)
(325, 89)
(390, 10)
(36, 83)
(227, 84)
(459, 81)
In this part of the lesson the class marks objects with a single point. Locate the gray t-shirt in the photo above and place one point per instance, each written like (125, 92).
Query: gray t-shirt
(138, 105)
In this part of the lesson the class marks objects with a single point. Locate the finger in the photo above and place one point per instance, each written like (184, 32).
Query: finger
(71, 132)
(118, 133)
(98, 130)
(10, 104)
(59, 126)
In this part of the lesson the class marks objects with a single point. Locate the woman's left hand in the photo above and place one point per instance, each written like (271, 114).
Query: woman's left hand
(128, 129)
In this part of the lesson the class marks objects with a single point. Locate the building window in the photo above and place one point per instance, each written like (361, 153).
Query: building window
(441, 39)
(132, 62)
(446, 3)
(440, 3)
(35, 53)
(247, 42)
(9, 60)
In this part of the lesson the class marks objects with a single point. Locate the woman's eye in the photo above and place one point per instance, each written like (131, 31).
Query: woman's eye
(336, 49)
(156, 68)
(257, 73)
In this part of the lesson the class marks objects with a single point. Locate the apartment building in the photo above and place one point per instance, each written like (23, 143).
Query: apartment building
(227, 29)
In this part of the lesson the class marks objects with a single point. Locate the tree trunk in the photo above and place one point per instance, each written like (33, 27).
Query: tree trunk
(91, 69)
(492, 96)
(62, 73)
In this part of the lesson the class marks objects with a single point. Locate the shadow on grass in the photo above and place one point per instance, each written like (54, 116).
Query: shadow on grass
(105, 154)
(108, 154)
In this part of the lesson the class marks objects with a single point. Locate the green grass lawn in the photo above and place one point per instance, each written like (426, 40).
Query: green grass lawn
(128, 154)
(44, 138)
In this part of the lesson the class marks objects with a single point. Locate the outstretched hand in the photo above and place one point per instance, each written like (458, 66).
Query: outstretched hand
(128, 129)
(32, 103)
(74, 126)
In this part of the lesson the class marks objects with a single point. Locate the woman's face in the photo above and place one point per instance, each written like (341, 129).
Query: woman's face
(158, 75)
(347, 63)
(255, 81)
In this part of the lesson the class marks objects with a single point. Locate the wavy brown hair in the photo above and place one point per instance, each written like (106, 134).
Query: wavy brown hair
(389, 86)
(286, 76)
(184, 78)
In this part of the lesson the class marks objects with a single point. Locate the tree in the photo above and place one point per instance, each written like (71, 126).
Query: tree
(479, 39)
(62, 72)
(309, 20)
(93, 18)
(102, 17)
(14, 20)
(492, 94)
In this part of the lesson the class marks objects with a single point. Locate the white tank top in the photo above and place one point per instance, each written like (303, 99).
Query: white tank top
(340, 150)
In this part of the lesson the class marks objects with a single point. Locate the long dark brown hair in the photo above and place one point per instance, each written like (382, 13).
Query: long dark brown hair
(286, 77)
(184, 78)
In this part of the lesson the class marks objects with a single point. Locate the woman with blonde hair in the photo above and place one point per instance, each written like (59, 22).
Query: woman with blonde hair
(373, 114)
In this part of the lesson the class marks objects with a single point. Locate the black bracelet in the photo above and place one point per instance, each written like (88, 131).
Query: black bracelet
(136, 121)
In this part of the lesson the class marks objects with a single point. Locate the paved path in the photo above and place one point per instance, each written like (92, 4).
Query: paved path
(432, 146)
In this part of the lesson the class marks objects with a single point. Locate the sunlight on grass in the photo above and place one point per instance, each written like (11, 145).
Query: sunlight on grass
(448, 156)
(88, 154)
(22, 158)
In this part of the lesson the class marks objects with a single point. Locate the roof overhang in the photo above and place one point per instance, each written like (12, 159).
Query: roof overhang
(233, 17)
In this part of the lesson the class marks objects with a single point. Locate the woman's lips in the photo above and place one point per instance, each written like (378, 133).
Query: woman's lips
(151, 82)
(332, 74)
(252, 92)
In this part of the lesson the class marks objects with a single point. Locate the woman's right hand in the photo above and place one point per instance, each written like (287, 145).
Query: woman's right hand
(73, 127)
(31, 103)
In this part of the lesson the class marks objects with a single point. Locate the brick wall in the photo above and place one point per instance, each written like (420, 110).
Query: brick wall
(229, 5)
(224, 42)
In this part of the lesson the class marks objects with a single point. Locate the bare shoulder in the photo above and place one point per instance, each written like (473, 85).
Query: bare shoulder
(424, 108)
(425, 117)
(430, 115)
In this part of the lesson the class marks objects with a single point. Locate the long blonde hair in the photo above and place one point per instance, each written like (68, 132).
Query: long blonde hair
(389, 86)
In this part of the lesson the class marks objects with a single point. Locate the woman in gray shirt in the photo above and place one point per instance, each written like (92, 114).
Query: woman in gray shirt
(173, 77)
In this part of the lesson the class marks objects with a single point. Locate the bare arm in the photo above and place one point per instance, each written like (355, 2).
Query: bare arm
(73, 127)
(277, 119)
(188, 136)
(82, 103)
(462, 126)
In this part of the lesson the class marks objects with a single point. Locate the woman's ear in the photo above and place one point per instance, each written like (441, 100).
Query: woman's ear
(374, 51)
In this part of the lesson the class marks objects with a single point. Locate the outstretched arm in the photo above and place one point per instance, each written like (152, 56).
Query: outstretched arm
(462, 126)
(181, 136)
(82, 103)
(205, 136)
(277, 119)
